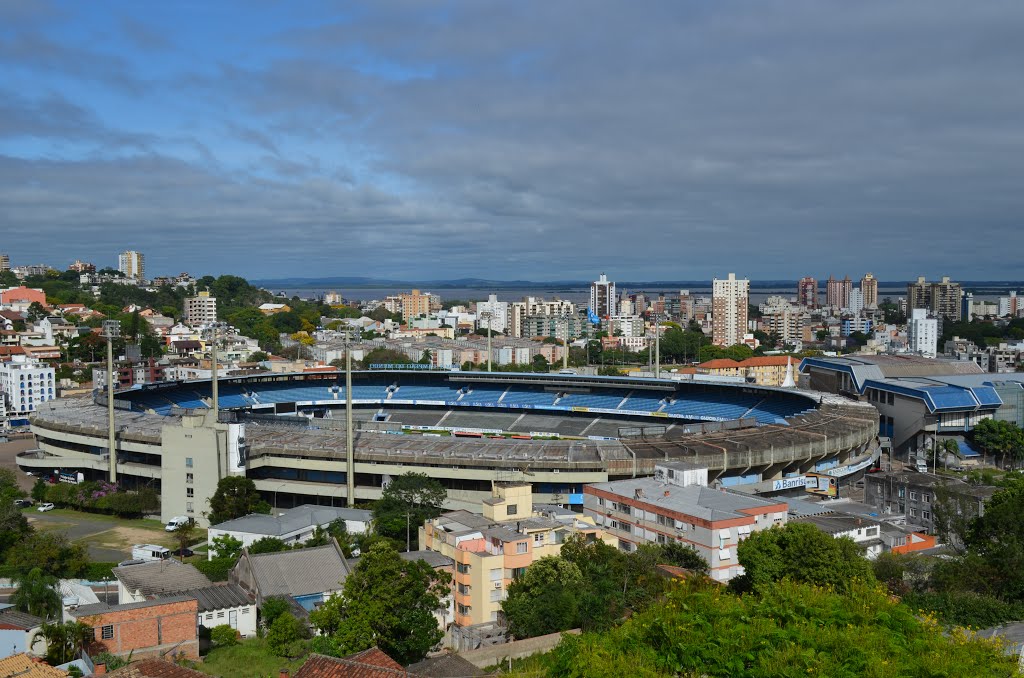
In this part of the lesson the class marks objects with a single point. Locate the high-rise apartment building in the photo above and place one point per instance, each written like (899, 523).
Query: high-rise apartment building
(492, 314)
(602, 297)
(869, 288)
(27, 383)
(132, 264)
(519, 311)
(415, 305)
(856, 301)
(729, 310)
(200, 309)
(1010, 306)
(837, 292)
(5, 262)
(807, 292)
(941, 298)
(922, 333)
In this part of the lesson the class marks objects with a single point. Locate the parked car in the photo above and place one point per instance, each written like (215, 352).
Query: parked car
(45, 507)
(22, 503)
(184, 553)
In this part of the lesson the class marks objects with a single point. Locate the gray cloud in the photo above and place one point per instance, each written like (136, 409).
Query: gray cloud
(552, 140)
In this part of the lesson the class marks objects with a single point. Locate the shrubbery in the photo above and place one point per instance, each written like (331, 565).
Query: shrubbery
(223, 636)
(104, 497)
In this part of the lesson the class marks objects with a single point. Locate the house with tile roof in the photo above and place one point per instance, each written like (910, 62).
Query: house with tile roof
(371, 663)
(155, 668)
(16, 632)
(24, 666)
(308, 575)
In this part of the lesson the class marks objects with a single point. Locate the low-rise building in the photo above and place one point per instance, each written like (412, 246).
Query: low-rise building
(151, 628)
(492, 548)
(27, 384)
(677, 505)
(867, 534)
(16, 632)
(293, 526)
(914, 496)
(309, 575)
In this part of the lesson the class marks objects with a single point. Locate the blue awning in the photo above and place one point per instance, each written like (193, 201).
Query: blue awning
(966, 450)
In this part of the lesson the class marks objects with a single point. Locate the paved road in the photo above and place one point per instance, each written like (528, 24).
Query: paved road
(8, 452)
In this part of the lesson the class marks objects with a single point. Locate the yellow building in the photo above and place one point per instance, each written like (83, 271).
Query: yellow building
(495, 547)
(760, 370)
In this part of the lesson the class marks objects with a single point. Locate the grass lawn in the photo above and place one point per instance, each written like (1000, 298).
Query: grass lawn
(103, 531)
(250, 659)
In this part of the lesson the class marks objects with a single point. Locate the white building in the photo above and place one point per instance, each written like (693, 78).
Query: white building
(293, 526)
(729, 310)
(602, 297)
(1010, 306)
(27, 384)
(626, 325)
(533, 306)
(132, 264)
(498, 310)
(856, 303)
(200, 310)
(922, 333)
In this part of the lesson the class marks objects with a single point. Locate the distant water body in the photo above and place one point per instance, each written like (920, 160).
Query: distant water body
(579, 295)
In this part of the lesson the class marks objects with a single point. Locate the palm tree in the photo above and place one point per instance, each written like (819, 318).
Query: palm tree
(37, 594)
(64, 642)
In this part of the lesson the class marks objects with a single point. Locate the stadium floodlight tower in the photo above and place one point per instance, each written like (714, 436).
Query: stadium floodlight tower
(657, 345)
(565, 345)
(350, 457)
(215, 329)
(488, 314)
(111, 331)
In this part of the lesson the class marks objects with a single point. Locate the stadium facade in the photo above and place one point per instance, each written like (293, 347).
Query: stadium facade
(556, 431)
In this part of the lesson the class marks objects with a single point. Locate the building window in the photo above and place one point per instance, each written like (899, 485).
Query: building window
(927, 515)
(600, 501)
(209, 617)
(190, 492)
(188, 507)
(107, 632)
(518, 572)
(927, 498)
(512, 509)
(462, 568)
(913, 513)
(464, 589)
(522, 547)
(189, 478)
(188, 462)
(245, 610)
(662, 539)
(464, 609)
(538, 539)
(901, 492)
(662, 520)
(913, 496)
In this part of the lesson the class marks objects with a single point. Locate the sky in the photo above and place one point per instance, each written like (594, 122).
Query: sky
(676, 140)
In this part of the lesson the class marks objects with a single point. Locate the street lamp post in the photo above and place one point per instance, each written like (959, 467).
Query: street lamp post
(111, 330)
(487, 314)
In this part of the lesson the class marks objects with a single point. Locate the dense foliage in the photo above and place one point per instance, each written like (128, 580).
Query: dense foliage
(387, 601)
(591, 585)
(406, 503)
(790, 629)
(104, 497)
(235, 496)
(51, 552)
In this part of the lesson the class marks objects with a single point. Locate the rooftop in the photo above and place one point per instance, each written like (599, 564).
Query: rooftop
(300, 572)
(14, 620)
(103, 608)
(220, 597)
(292, 520)
(23, 666)
(370, 663)
(160, 577)
(700, 502)
(836, 523)
(155, 668)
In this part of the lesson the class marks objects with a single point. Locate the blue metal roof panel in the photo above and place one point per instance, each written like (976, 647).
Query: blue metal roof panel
(951, 397)
(987, 396)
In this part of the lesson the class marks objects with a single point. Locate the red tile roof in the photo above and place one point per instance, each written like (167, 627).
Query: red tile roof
(370, 663)
(155, 668)
(719, 363)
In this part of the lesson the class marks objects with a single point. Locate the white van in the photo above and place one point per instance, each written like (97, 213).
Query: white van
(149, 552)
(176, 522)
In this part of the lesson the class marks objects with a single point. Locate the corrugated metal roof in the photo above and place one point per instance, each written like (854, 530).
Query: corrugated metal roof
(220, 597)
(160, 577)
(301, 572)
(11, 618)
(292, 520)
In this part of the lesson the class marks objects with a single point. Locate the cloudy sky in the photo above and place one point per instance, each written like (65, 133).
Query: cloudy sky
(541, 140)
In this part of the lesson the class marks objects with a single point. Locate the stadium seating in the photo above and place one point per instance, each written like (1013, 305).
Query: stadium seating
(643, 401)
(608, 400)
(417, 392)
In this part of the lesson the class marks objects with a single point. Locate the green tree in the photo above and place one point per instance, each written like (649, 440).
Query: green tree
(258, 357)
(386, 601)
(545, 599)
(287, 636)
(36, 593)
(682, 555)
(236, 496)
(268, 545)
(52, 552)
(226, 546)
(14, 526)
(406, 503)
(185, 535)
(63, 641)
(803, 553)
(384, 356)
(996, 540)
(273, 607)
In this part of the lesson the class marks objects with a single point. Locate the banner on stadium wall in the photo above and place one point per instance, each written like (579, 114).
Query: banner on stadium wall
(847, 470)
(821, 484)
(789, 483)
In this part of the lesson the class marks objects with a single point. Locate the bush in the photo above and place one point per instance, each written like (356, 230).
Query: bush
(99, 571)
(224, 636)
(286, 637)
(964, 608)
(216, 569)
(273, 607)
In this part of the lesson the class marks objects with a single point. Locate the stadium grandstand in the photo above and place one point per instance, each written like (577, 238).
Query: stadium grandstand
(467, 429)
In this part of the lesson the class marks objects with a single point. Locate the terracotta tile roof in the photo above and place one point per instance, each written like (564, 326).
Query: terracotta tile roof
(719, 363)
(769, 361)
(370, 663)
(23, 666)
(155, 668)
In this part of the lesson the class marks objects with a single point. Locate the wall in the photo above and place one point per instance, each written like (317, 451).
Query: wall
(148, 631)
(517, 649)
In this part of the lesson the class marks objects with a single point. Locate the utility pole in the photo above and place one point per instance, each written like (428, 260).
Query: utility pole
(350, 457)
(657, 345)
(408, 541)
(111, 330)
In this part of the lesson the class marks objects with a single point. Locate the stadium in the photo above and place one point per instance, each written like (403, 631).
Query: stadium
(467, 429)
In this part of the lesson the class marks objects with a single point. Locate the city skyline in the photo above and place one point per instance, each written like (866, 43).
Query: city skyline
(301, 139)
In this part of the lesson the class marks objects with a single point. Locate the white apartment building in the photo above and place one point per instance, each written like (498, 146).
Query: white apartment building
(602, 297)
(627, 325)
(676, 505)
(729, 310)
(782, 318)
(132, 264)
(492, 313)
(200, 310)
(922, 333)
(533, 306)
(1011, 305)
(27, 384)
(856, 303)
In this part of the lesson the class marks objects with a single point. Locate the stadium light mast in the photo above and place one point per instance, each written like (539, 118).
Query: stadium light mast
(565, 345)
(215, 327)
(487, 314)
(111, 331)
(350, 457)
(657, 345)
